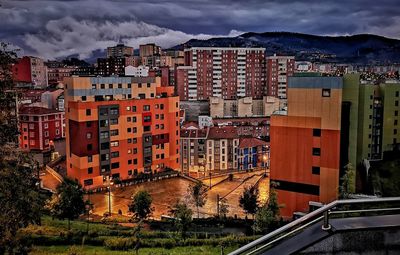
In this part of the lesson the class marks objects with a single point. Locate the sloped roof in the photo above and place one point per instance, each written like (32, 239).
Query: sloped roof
(251, 142)
(228, 132)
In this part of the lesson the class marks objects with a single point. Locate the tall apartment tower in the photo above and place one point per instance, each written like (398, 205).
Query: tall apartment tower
(279, 68)
(118, 127)
(119, 51)
(31, 72)
(228, 73)
(150, 49)
(305, 143)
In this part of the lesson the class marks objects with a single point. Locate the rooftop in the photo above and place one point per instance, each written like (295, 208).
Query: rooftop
(36, 110)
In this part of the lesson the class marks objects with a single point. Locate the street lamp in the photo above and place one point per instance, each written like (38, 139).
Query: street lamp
(265, 158)
(110, 183)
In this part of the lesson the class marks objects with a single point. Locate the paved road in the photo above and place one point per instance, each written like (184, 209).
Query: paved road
(166, 192)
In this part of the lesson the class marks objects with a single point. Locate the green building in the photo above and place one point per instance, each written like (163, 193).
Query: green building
(370, 116)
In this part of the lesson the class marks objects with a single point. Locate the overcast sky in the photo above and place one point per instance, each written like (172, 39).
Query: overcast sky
(59, 28)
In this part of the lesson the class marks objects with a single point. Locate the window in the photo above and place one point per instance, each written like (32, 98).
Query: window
(395, 122)
(46, 134)
(316, 151)
(83, 98)
(130, 172)
(130, 162)
(326, 92)
(105, 157)
(104, 146)
(128, 108)
(88, 182)
(94, 86)
(135, 161)
(148, 85)
(395, 131)
(146, 107)
(89, 147)
(88, 135)
(57, 131)
(129, 130)
(114, 154)
(102, 86)
(133, 108)
(114, 144)
(396, 103)
(90, 170)
(88, 124)
(139, 85)
(129, 85)
(315, 170)
(147, 128)
(119, 85)
(114, 132)
(110, 86)
(57, 124)
(104, 134)
(396, 113)
(46, 125)
(134, 140)
(88, 112)
(129, 140)
(317, 132)
(133, 119)
(134, 130)
(134, 150)
(103, 123)
(114, 111)
(89, 159)
(146, 118)
(31, 126)
(161, 106)
(115, 165)
(128, 119)
(113, 121)
(397, 93)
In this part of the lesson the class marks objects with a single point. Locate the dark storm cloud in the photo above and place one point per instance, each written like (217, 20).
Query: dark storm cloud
(55, 28)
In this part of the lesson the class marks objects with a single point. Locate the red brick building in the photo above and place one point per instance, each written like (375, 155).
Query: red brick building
(39, 127)
(30, 72)
(228, 73)
(279, 68)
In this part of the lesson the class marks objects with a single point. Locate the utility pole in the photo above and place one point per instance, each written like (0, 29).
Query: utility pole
(218, 205)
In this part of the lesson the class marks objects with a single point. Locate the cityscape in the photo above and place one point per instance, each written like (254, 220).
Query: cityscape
(123, 133)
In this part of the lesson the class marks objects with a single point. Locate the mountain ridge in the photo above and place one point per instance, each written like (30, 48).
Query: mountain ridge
(359, 48)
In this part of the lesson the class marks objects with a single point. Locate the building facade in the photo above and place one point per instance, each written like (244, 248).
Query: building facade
(150, 49)
(305, 143)
(30, 72)
(119, 127)
(39, 127)
(279, 68)
(119, 51)
(228, 73)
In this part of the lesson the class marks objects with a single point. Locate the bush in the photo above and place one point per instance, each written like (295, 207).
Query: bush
(120, 244)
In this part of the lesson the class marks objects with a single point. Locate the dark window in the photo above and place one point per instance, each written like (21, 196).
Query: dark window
(105, 157)
(113, 121)
(326, 92)
(396, 113)
(102, 86)
(89, 158)
(148, 85)
(90, 170)
(114, 154)
(396, 103)
(110, 86)
(130, 162)
(103, 112)
(133, 108)
(317, 132)
(129, 172)
(161, 106)
(139, 85)
(114, 111)
(395, 122)
(147, 118)
(114, 132)
(135, 161)
(89, 147)
(298, 187)
(119, 85)
(142, 96)
(115, 165)
(103, 123)
(129, 119)
(395, 131)
(135, 172)
(134, 140)
(129, 140)
(146, 107)
(146, 128)
(129, 130)
(133, 119)
(129, 85)
(88, 112)
(88, 124)
(88, 182)
(315, 170)
(105, 146)
(104, 134)
(135, 151)
(83, 98)
(397, 93)
(316, 151)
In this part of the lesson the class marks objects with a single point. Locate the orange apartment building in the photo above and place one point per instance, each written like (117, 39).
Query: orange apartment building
(119, 127)
(305, 143)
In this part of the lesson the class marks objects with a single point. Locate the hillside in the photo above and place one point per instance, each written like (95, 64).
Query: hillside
(363, 48)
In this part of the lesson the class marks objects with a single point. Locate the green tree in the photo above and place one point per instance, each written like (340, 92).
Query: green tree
(20, 198)
(141, 205)
(67, 202)
(248, 201)
(183, 217)
(348, 182)
(198, 195)
(223, 207)
(268, 214)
